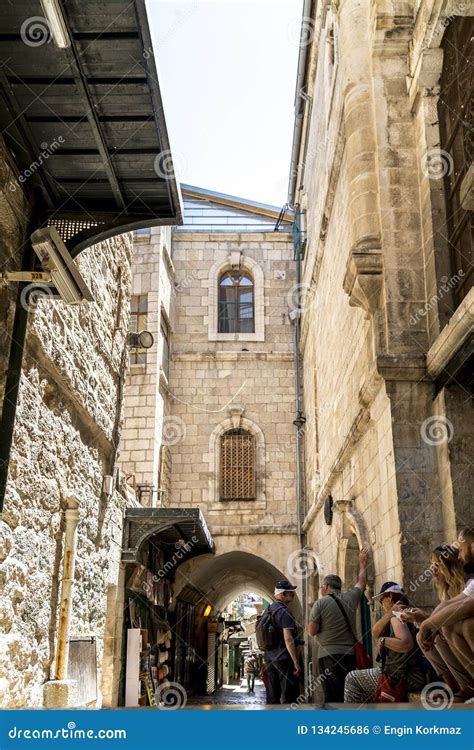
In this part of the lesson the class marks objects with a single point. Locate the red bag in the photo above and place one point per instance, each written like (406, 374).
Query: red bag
(363, 660)
(390, 692)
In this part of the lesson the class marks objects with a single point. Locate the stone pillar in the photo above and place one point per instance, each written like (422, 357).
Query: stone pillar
(365, 257)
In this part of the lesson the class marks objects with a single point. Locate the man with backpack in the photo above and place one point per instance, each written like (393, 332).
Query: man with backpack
(250, 670)
(276, 636)
(332, 620)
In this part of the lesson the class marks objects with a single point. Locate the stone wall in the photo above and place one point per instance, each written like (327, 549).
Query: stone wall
(67, 423)
(374, 258)
(146, 397)
(210, 376)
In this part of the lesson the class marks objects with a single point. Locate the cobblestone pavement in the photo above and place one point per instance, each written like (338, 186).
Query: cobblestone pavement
(236, 693)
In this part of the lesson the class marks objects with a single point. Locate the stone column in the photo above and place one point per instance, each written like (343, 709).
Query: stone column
(365, 257)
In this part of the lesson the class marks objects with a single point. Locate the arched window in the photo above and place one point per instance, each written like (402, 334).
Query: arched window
(456, 115)
(237, 465)
(236, 305)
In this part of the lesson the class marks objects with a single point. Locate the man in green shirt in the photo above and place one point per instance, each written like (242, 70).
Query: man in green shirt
(335, 641)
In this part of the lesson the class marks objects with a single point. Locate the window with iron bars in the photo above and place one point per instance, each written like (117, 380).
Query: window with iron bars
(456, 116)
(237, 466)
(138, 322)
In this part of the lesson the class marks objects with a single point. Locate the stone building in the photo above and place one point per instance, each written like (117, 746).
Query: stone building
(210, 410)
(381, 179)
(217, 388)
(64, 445)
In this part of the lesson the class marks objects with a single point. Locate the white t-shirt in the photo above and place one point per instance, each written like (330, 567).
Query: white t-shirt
(469, 590)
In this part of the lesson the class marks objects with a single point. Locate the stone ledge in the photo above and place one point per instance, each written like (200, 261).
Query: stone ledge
(231, 356)
(252, 531)
(452, 336)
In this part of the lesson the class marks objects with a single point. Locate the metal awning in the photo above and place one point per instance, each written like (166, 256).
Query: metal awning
(170, 525)
(85, 123)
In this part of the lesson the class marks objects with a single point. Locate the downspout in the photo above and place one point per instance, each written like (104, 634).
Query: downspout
(301, 105)
(71, 515)
(299, 420)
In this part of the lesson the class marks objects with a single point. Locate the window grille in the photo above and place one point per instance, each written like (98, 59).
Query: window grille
(237, 464)
(138, 322)
(165, 347)
(456, 115)
(236, 313)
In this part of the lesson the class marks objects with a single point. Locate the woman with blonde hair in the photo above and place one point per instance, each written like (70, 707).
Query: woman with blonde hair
(448, 580)
(448, 572)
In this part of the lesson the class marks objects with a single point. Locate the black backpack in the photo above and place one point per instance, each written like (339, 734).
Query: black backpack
(267, 631)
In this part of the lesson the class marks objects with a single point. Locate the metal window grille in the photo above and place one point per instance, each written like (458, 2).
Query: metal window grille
(237, 465)
(456, 116)
(138, 322)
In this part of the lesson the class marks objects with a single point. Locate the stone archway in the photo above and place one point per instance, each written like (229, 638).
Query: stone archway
(220, 578)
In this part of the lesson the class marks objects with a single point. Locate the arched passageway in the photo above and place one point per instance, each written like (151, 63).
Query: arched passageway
(205, 586)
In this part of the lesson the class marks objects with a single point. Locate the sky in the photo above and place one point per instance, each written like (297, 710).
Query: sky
(227, 74)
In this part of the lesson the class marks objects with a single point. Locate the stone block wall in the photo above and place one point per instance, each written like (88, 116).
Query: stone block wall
(67, 422)
(375, 256)
(208, 376)
(146, 392)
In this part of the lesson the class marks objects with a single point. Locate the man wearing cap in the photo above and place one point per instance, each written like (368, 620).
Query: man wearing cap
(335, 640)
(282, 664)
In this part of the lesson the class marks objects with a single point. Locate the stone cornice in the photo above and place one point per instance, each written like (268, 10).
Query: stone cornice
(266, 529)
(452, 336)
(232, 356)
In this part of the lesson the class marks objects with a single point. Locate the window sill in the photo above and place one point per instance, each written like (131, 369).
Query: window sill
(236, 337)
(137, 368)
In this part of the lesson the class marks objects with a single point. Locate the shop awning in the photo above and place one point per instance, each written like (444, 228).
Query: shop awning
(85, 122)
(185, 528)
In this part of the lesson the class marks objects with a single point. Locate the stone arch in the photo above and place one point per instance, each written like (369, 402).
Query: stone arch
(255, 270)
(214, 442)
(220, 578)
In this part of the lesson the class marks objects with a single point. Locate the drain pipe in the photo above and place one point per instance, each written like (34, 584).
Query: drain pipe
(300, 419)
(71, 515)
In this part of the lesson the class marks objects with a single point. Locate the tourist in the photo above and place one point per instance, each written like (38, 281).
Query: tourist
(454, 620)
(400, 659)
(281, 661)
(335, 639)
(250, 670)
(448, 578)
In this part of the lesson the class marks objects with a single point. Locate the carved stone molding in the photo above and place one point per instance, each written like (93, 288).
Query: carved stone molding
(363, 281)
(236, 412)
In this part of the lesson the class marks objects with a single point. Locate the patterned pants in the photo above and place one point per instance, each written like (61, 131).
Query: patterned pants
(360, 685)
